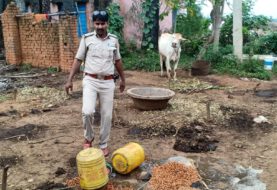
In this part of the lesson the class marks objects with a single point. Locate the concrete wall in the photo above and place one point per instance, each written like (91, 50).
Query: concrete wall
(41, 44)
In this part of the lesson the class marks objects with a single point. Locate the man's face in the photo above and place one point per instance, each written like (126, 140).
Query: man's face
(100, 27)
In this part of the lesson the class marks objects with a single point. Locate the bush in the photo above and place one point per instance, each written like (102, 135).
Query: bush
(116, 24)
(229, 64)
(147, 60)
(194, 27)
(263, 45)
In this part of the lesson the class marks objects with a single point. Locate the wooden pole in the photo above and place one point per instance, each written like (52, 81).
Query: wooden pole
(5, 177)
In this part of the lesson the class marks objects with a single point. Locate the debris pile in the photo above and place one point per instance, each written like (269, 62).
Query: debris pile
(114, 186)
(74, 182)
(173, 175)
(43, 96)
(192, 86)
(195, 137)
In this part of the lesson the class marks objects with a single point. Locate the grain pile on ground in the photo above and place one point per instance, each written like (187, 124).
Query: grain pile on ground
(173, 176)
(114, 186)
(43, 97)
(191, 86)
(74, 182)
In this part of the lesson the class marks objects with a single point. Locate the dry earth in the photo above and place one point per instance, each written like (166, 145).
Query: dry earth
(41, 132)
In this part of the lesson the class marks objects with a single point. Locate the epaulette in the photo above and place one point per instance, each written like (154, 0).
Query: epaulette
(112, 35)
(89, 34)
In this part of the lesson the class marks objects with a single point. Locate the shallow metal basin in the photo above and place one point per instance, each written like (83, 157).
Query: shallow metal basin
(150, 98)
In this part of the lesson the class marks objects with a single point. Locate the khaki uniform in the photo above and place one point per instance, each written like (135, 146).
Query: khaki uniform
(99, 56)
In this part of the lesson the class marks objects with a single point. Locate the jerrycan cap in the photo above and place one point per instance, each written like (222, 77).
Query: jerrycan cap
(90, 154)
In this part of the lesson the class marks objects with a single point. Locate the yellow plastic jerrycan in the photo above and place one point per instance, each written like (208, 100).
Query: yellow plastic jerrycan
(127, 158)
(92, 169)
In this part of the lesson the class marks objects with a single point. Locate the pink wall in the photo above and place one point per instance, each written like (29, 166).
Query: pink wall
(133, 26)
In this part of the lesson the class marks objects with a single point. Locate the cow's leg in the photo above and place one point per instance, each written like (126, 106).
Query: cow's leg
(168, 69)
(161, 64)
(174, 69)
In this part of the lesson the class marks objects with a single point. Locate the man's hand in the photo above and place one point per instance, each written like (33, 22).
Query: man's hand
(68, 87)
(122, 86)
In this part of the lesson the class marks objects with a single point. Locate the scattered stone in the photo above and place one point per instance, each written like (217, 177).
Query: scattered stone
(144, 176)
(25, 132)
(3, 114)
(30, 180)
(182, 160)
(46, 110)
(23, 114)
(9, 160)
(35, 111)
(60, 171)
(247, 179)
(260, 119)
(50, 185)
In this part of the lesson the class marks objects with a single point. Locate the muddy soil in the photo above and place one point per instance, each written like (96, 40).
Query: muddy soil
(40, 142)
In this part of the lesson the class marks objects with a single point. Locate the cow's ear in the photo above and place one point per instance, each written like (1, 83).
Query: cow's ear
(183, 39)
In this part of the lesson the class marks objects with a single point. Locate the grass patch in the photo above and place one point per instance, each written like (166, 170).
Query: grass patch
(149, 60)
(4, 97)
(229, 64)
(26, 67)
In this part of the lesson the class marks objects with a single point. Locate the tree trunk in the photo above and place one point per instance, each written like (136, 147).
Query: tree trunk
(174, 19)
(217, 19)
(237, 28)
(156, 28)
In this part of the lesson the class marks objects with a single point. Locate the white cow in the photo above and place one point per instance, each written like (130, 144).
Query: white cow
(170, 50)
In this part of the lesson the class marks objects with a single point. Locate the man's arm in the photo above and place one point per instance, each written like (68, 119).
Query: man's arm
(119, 68)
(75, 68)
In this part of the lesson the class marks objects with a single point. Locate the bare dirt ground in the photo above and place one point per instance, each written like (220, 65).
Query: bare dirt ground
(41, 129)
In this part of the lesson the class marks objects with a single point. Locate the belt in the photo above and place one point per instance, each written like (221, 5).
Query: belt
(100, 77)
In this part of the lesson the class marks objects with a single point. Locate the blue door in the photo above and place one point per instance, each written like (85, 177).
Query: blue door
(82, 19)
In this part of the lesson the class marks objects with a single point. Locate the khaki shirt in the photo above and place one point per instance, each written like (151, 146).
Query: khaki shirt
(99, 54)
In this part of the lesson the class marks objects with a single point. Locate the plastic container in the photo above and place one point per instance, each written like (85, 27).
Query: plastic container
(92, 169)
(268, 63)
(127, 158)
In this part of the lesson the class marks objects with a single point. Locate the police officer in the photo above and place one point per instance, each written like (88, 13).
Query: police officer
(99, 51)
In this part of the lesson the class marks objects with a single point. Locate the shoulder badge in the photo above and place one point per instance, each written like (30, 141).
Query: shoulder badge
(112, 35)
(89, 34)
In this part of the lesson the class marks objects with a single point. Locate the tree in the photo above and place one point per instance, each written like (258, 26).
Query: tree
(216, 17)
(237, 28)
(175, 6)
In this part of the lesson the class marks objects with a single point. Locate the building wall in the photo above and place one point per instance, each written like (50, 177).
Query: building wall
(41, 44)
(133, 26)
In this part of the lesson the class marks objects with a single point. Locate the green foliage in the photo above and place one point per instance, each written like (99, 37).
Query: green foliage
(147, 60)
(263, 45)
(53, 69)
(274, 69)
(148, 15)
(116, 24)
(250, 22)
(26, 67)
(194, 27)
(4, 97)
(225, 63)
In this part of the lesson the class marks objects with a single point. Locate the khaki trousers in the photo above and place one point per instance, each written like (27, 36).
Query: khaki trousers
(104, 90)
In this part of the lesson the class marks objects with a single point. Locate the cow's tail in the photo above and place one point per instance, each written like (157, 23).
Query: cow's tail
(164, 66)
